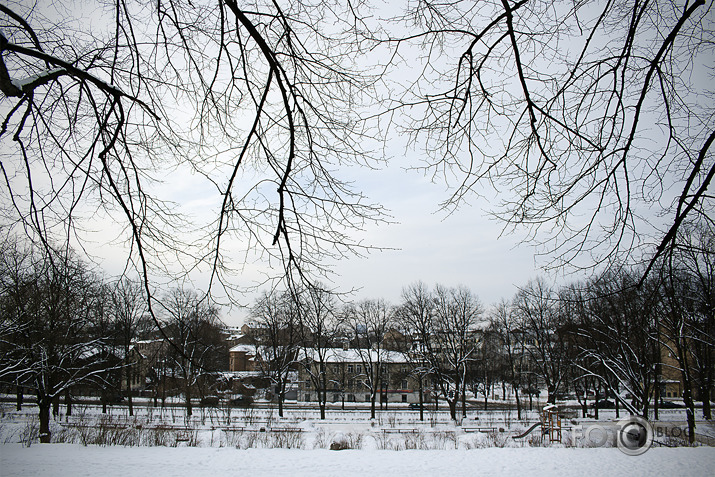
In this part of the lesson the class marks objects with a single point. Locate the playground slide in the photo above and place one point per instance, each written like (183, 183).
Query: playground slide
(527, 432)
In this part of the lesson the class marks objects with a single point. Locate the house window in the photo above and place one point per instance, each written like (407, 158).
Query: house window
(367, 398)
(359, 368)
(307, 384)
(336, 397)
(350, 368)
(307, 397)
(404, 384)
(404, 398)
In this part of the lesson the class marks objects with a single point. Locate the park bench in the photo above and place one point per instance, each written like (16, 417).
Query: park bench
(479, 429)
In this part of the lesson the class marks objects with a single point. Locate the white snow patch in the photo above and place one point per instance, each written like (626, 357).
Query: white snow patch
(75, 460)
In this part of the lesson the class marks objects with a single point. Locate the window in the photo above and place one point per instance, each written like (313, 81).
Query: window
(404, 398)
(404, 384)
(367, 398)
(359, 368)
(307, 397)
(350, 368)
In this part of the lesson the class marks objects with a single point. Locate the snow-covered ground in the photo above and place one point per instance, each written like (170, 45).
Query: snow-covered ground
(76, 460)
(257, 442)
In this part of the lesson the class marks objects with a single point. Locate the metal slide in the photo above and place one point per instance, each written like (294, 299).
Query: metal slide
(527, 432)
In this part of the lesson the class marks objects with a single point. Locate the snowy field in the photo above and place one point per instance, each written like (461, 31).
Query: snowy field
(76, 460)
(255, 442)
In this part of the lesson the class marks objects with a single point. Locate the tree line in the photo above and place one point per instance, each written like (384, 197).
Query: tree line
(609, 336)
(66, 330)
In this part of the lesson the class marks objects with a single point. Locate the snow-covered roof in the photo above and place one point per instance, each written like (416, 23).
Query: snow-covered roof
(352, 355)
(240, 374)
(243, 348)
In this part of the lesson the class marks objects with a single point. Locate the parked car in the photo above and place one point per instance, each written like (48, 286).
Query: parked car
(112, 398)
(605, 404)
(211, 401)
(414, 406)
(670, 405)
(241, 401)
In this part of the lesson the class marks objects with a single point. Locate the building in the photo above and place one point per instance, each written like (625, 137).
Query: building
(242, 357)
(348, 373)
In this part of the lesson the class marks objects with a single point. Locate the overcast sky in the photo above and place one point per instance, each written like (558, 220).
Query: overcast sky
(430, 245)
(422, 243)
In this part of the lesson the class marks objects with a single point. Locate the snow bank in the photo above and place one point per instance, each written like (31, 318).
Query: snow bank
(75, 460)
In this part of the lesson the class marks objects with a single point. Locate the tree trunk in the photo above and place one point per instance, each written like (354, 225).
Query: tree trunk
(518, 402)
(452, 408)
(705, 397)
(323, 391)
(422, 399)
(187, 392)
(595, 404)
(129, 390)
(690, 413)
(464, 401)
(68, 401)
(322, 399)
(56, 406)
(584, 406)
(656, 390)
(20, 398)
(645, 401)
(44, 404)
(531, 399)
(281, 395)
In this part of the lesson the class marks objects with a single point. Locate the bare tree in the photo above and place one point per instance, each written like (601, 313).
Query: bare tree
(537, 308)
(277, 348)
(369, 322)
(258, 102)
(415, 315)
(503, 322)
(618, 335)
(51, 300)
(591, 121)
(317, 319)
(192, 327)
(688, 324)
(128, 308)
(456, 311)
